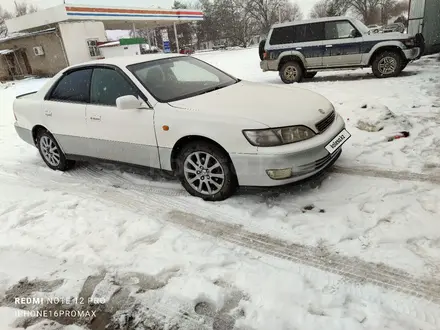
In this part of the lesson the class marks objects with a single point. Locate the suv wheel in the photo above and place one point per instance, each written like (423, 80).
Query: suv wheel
(205, 171)
(387, 64)
(291, 72)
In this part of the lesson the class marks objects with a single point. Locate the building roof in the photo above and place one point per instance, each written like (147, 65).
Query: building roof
(21, 35)
(121, 17)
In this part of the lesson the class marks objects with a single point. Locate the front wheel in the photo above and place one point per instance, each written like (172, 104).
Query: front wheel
(387, 64)
(51, 152)
(206, 171)
(291, 72)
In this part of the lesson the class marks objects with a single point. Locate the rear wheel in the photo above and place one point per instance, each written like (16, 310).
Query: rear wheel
(261, 49)
(404, 64)
(206, 171)
(291, 72)
(387, 64)
(51, 152)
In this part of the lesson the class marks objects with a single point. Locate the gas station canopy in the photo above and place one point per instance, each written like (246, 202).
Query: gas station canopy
(114, 18)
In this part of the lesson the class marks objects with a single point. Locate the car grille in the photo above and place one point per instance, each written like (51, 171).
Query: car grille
(322, 125)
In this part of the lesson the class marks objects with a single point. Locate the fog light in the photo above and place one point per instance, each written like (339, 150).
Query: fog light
(279, 174)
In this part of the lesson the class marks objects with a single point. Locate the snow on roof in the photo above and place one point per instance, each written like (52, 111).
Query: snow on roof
(19, 35)
(110, 44)
(6, 51)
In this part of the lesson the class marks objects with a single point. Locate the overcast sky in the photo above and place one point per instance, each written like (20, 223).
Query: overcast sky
(306, 5)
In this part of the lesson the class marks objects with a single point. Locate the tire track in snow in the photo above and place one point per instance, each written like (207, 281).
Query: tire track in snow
(386, 174)
(208, 221)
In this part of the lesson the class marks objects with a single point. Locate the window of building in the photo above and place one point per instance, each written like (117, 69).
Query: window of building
(74, 87)
(94, 51)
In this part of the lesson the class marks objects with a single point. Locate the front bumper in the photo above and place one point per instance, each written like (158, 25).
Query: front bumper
(412, 53)
(305, 158)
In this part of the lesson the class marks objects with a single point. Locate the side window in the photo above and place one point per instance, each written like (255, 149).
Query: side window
(108, 85)
(338, 30)
(73, 87)
(185, 71)
(309, 32)
(283, 35)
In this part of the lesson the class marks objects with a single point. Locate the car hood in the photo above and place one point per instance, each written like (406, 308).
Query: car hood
(274, 106)
(389, 36)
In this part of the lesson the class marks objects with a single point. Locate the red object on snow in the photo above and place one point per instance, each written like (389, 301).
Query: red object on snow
(399, 135)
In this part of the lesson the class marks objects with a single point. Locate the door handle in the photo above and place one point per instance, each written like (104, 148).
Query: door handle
(329, 46)
(95, 118)
(48, 113)
(299, 48)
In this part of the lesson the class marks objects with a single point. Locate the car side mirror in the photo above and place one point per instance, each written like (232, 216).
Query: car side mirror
(353, 33)
(128, 102)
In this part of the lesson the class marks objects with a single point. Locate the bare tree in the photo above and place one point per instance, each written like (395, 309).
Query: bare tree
(330, 8)
(268, 12)
(290, 12)
(4, 15)
(368, 10)
(23, 8)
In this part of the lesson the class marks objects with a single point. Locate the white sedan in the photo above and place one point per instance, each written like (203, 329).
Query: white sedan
(180, 114)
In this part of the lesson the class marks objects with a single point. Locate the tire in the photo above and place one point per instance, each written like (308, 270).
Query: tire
(404, 64)
(387, 64)
(55, 160)
(291, 72)
(222, 186)
(310, 75)
(261, 49)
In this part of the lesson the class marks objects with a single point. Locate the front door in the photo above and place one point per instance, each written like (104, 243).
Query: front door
(342, 44)
(121, 135)
(64, 112)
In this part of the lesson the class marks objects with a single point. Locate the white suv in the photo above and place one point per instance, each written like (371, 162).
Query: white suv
(302, 48)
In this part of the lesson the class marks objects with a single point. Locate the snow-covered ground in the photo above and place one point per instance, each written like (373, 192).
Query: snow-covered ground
(355, 249)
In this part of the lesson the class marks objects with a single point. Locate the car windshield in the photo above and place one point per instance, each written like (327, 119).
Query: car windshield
(177, 78)
(362, 27)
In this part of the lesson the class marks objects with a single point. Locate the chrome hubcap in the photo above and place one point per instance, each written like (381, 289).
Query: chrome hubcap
(387, 65)
(204, 173)
(50, 151)
(290, 73)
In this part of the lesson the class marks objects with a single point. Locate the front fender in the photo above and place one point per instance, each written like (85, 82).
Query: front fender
(383, 44)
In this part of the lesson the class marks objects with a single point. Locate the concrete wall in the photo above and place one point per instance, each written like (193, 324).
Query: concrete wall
(125, 50)
(75, 36)
(48, 64)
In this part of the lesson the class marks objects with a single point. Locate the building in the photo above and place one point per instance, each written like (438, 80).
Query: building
(46, 41)
(122, 47)
(424, 17)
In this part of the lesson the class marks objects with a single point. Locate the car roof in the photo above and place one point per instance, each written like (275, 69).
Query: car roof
(309, 21)
(123, 61)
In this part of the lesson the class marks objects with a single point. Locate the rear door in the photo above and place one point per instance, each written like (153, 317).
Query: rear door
(309, 42)
(64, 111)
(121, 135)
(342, 44)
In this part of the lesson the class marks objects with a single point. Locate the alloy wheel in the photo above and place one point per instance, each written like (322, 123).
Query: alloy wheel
(290, 73)
(204, 173)
(50, 151)
(387, 65)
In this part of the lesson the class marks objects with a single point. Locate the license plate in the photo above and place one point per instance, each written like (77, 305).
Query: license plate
(338, 141)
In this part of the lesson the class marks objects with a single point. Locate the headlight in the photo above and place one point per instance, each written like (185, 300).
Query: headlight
(278, 136)
(410, 43)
